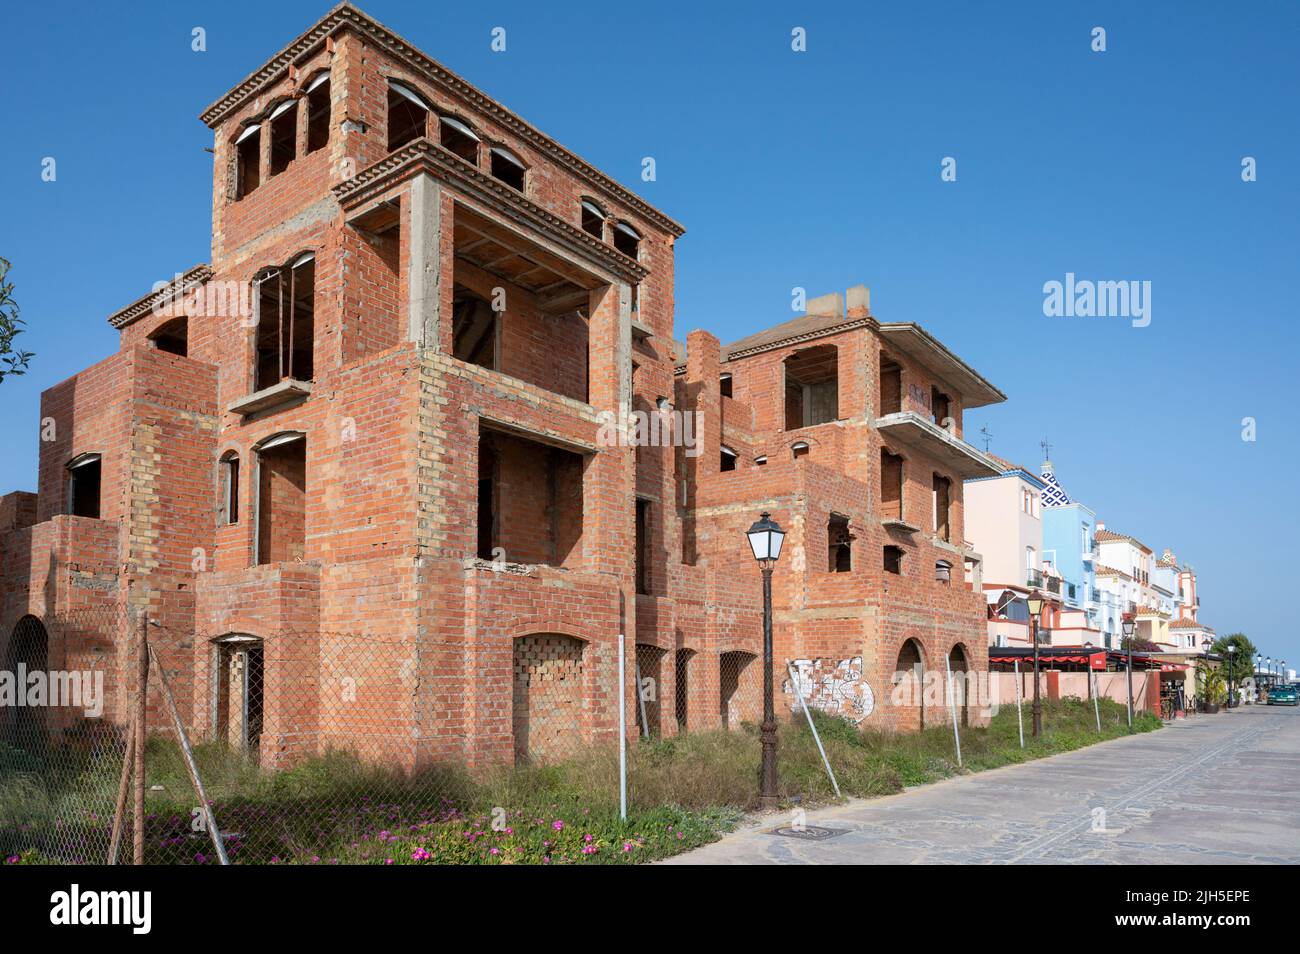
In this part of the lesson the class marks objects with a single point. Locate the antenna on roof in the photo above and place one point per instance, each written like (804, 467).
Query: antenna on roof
(987, 437)
(1047, 449)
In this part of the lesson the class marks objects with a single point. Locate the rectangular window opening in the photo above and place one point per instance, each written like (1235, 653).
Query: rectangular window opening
(839, 544)
(642, 546)
(282, 502)
(84, 480)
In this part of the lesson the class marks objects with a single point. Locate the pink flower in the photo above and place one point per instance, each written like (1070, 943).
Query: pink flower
(587, 838)
(557, 825)
(627, 846)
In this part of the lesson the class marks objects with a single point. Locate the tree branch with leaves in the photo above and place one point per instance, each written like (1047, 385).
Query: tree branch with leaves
(12, 360)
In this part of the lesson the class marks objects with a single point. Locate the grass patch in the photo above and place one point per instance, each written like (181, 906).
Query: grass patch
(335, 809)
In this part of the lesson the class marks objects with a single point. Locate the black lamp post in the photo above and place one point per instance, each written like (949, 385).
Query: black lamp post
(1036, 607)
(1128, 626)
(1232, 655)
(765, 539)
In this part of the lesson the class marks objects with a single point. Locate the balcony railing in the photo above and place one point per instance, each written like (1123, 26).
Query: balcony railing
(1034, 578)
(1054, 584)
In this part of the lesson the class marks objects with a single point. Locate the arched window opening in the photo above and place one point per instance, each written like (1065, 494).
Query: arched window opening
(959, 666)
(286, 323)
(408, 116)
(943, 572)
(547, 705)
(172, 336)
(318, 112)
(740, 697)
(593, 219)
(230, 488)
(459, 138)
(282, 499)
(248, 160)
(284, 135)
(909, 675)
(627, 239)
(25, 727)
(508, 168)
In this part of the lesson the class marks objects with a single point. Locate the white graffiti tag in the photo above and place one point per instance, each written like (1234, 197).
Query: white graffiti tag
(834, 686)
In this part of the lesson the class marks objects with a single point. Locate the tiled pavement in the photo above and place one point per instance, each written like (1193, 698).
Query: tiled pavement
(1221, 789)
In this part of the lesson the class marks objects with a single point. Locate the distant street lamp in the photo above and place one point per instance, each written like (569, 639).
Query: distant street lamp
(765, 539)
(1036, 607)
(1128, 628)
(1232, 655)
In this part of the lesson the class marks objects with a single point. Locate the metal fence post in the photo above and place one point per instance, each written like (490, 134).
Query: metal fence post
(1020, 722)
(190, 764)
(952, 707)
(1096, 705)
(816, 738)
(622, 728)
(141, 704)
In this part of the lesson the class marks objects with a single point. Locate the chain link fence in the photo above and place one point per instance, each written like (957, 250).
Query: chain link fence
(346, 747)
(63, 739)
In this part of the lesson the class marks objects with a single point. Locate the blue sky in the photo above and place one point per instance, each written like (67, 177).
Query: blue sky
(818, 169)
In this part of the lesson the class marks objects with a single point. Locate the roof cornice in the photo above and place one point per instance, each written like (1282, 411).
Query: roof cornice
(346, 16)
(176, 288)
(850, 325)
(423, 155)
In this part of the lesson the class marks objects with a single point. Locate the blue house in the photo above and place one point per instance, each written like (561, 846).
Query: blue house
(1069, 543)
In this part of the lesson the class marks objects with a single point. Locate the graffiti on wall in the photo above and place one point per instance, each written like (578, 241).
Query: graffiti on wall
(835, 686)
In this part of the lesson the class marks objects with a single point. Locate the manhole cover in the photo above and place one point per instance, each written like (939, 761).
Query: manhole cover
(808, 832)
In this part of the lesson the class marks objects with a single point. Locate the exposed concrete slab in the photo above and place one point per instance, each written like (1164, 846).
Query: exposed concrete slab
(1221, 789)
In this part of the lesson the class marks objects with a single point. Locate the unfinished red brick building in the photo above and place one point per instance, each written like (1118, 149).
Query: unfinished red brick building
(368, 448)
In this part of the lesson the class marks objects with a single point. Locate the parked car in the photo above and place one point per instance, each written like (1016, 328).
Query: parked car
(1283, 696)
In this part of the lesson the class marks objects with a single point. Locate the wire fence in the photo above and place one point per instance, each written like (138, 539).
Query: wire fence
(63, 741)
(346, 747)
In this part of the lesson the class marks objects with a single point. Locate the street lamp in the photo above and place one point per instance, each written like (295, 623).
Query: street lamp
(1232, 655)
(1128, 627)
(765, 539)
(1035, 608)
